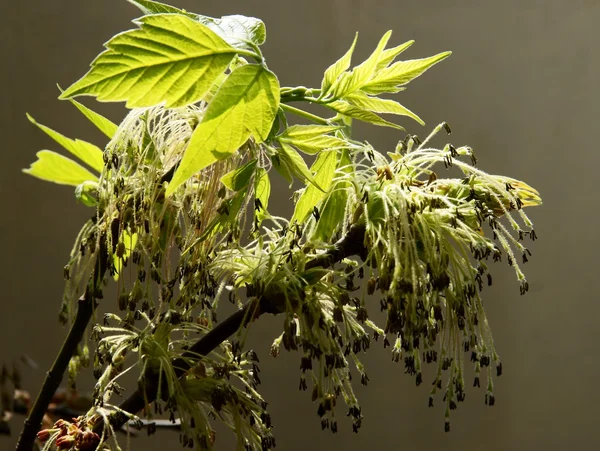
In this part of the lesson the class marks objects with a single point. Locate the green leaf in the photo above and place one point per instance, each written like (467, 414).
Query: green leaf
(281, 166)
(103, 124)
(356, 112)
(388, 55)
(240, 177)
(129, 240)
(333, 209)
(150, 7)
(296, 164)
(245, 105)
(54, 167)
(324, 169)
(236, 29)
(400, 73)
(262, 192)
(312, 139)
(351, 81)
(85, 151)
(377, 105)
(87, 193)
(336, 69)
(170, 58)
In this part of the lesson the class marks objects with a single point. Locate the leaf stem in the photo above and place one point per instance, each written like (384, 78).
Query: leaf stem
(304, 114)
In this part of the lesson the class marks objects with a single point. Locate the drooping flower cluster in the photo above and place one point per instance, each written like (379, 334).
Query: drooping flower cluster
(426, 255)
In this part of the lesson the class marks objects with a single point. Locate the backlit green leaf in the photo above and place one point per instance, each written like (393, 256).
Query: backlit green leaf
(170, 58)
(239, 178)
(361, 114)
(324, 169)
(388, 55)
(129, 240)
(103, 124)
(236, 29)
(296, 165)
(54, 167)
(262, 192)
(245, 105)
(333, 208)
(312, 139)
(85, 151)
(400, 73)
(351, 81)
(336, 69)
(377, 105)
(150, 7)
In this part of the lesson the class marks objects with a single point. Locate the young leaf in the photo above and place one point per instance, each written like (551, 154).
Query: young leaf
(129, 240)
(170, 58)
(85, 151)
(388, 55)
(334, 207)
(282, 167)
(311, 139)
(245, 104)
(150, 7)
(400, 73)
(236, 29)
(336, 69)
(103, 124)
(262, 192)
(356, 112)
(377, 105)
(54, 167)
(296, 165)
(324, 169)
(240, 177)
(351, 81)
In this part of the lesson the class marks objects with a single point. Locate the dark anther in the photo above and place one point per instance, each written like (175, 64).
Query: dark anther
(430, 401)
(499, 369)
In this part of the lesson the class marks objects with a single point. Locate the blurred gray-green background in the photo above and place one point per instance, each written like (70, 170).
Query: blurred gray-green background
(521, 88)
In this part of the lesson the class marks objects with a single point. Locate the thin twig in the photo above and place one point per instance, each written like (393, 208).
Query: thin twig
(85, 309)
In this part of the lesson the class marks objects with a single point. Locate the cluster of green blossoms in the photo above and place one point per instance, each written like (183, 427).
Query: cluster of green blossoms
(181, 222)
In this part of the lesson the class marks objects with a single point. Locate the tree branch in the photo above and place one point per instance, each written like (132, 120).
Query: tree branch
(85, 309)
(350, 244)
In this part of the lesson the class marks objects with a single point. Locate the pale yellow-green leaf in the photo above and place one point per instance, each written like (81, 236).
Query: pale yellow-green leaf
(388, 55)
(334, 71)
(378, 105)
(245, 105)
(361, 114)
(333, 208)
(54, 167)
(296, 165)
(348, 82)
(400, 73)
(324, 169)
(171, 58)
(85, 151)
(103, 124)
(129, 240)
(240, 177)
(262, 192)
(312, 139)
(308, 131)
